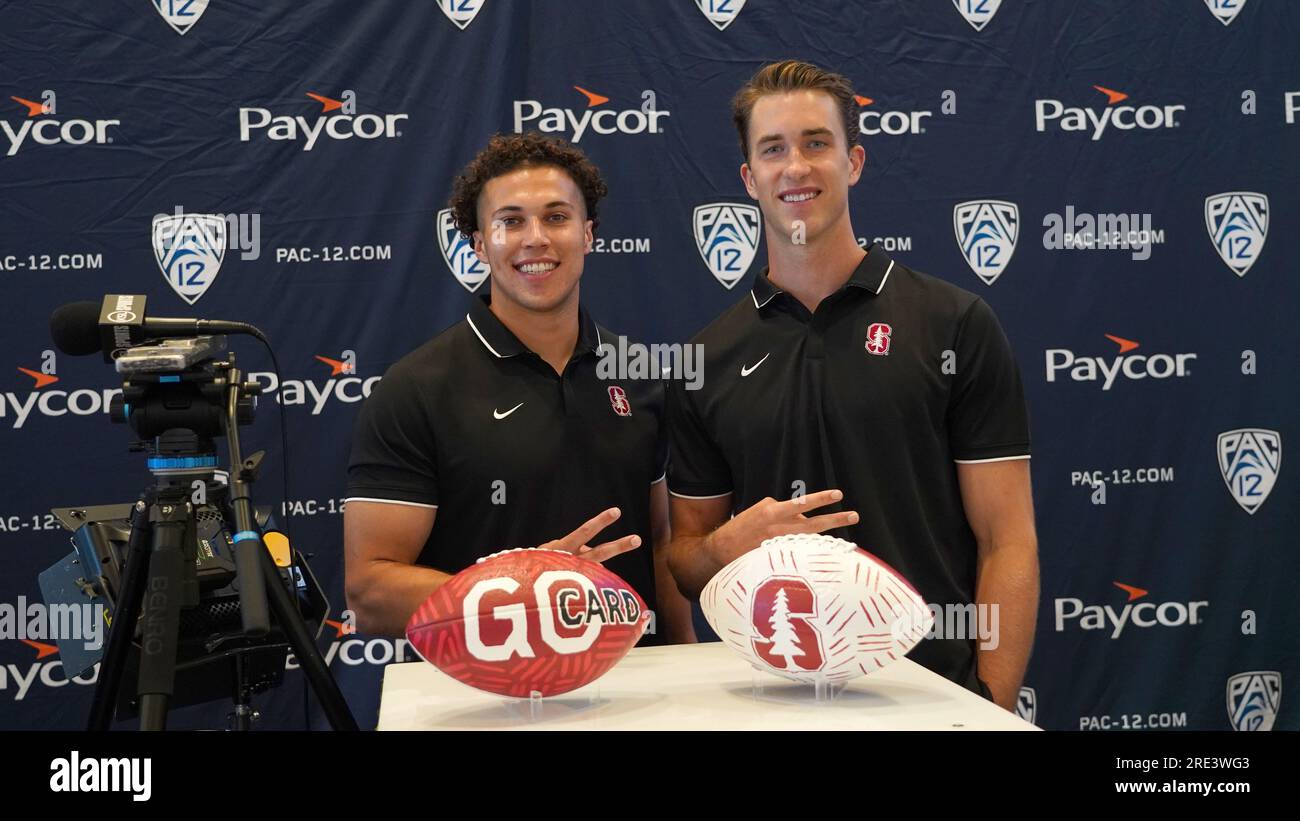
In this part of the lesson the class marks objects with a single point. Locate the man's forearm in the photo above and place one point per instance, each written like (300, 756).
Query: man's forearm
(390, 593)
(1007, 584)
(673, 618)
(692, 564)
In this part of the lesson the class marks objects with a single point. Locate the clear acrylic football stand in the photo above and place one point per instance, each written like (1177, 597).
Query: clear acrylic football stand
(533, 709)
(817, 690)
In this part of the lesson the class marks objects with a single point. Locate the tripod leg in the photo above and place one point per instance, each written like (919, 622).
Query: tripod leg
(126, 613)
(304, 647)
(162, 611)
(244, 715)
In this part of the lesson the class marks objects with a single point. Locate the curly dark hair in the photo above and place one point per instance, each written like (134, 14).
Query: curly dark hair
(505, 153)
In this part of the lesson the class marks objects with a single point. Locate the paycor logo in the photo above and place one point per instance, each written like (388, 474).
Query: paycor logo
(338, 120)
(643, 120)
(52, 131)
(19, 406)
(1143, 614)
(352, 650)
(1092, 368)
(16, 681)
(1098, 120)
(873, 122)
(342, 385)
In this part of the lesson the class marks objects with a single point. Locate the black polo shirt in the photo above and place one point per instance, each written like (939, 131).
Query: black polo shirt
(857, 396)
(510, 453)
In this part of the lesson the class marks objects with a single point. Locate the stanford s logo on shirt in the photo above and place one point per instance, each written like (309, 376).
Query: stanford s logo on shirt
(878, 338)
(618, 401)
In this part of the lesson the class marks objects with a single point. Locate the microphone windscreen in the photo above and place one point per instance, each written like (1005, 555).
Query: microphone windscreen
(75, 328)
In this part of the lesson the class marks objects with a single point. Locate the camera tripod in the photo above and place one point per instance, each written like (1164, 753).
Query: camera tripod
(177, 559)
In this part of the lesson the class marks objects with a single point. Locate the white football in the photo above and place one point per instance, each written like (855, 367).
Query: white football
(811, 607)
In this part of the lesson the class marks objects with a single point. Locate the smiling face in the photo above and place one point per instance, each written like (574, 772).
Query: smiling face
(800, 168)
(536, 235)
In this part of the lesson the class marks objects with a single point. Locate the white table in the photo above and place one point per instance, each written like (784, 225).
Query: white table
(692, 687)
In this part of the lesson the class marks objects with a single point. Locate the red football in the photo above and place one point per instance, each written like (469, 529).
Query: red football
(531, 620)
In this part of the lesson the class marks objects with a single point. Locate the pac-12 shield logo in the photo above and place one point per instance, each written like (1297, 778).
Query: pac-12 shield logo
(1225, 11)
(1253, 699)
(181, 14)
(1027, 705)
(461, 12)
(720, 12)
(1250, 459)
(727, 235)
(977, 12)
(784, 637)
(878, 338)
(458, 253)
(1238, 225)
(986, 233)
(189, 249)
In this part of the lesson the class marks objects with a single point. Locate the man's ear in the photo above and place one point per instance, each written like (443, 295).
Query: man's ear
(857, 161)
(479, 250)
(588, 236)
(747, 176)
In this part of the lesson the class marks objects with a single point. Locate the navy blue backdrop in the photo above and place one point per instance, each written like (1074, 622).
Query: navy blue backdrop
(312, 145)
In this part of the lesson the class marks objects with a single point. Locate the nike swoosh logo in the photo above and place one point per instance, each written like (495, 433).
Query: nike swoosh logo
(747, 371)
(496, 414)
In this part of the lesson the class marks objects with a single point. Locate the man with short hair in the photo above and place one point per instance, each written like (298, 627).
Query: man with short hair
(848, 376)
(498, 433)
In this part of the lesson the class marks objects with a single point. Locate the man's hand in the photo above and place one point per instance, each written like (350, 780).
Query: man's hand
(768, 518)
(576, 542)
(705, 540)
(383, 541)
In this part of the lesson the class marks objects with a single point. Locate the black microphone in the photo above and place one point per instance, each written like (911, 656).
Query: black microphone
(120, 323)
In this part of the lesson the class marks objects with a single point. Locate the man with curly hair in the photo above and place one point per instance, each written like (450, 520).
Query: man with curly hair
(499, 432)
